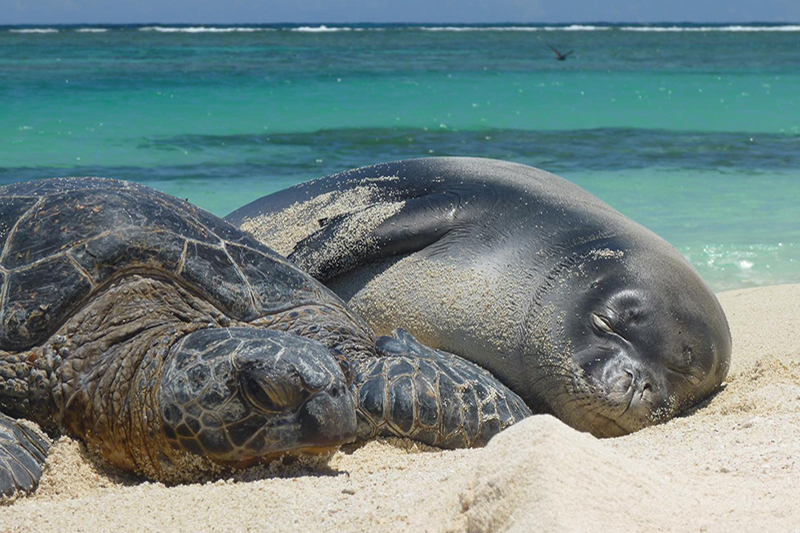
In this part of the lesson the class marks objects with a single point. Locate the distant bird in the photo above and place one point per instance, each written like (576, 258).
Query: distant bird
(559, 55)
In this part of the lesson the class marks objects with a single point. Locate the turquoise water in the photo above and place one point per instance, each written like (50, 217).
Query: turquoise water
(694, 131)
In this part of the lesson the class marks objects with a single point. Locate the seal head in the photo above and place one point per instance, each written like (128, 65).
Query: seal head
(632, 351)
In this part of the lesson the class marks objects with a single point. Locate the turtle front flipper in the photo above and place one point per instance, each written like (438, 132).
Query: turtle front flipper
(431, 396)
(22, 456)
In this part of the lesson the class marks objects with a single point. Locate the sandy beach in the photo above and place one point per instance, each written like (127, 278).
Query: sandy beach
(731, 464)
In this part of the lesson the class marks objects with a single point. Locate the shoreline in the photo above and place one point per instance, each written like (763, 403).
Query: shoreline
(729, 464)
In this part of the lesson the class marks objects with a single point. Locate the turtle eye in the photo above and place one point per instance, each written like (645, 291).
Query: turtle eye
(260, 395)
(602, 323)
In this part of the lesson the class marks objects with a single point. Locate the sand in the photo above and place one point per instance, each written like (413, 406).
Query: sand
(732, 464)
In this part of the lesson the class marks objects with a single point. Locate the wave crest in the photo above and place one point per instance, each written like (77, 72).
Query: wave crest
(35, 30)
(203, 29)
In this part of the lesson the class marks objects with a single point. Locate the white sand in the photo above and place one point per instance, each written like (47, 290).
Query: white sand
(731, 465)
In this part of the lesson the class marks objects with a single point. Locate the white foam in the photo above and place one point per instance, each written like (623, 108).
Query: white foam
(327, 29)
(573, 27)
(577, 27)
(324, 29)
(202, 29)
(591, 27)
(35, 30)
(479, 28)
(710, 28)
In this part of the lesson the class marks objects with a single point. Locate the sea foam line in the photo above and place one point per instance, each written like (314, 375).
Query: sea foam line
(202, 29)
(585, 27)
(325, 29)
(573, 27)
(332, 29)
(710, 28)
(35, 30)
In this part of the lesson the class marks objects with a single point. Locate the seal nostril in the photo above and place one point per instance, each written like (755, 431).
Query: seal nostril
(629, 379)
(620, 384)
(647, 392)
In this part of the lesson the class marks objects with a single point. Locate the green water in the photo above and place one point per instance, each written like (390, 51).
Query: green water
(694, 131)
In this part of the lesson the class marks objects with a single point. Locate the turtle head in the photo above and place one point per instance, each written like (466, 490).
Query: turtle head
(643, 339)
(238, 396)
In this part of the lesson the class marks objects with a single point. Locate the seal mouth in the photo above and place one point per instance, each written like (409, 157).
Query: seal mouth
(605, 425)
(594, 417)
(636, 411)
(612, 408)
(610, 428)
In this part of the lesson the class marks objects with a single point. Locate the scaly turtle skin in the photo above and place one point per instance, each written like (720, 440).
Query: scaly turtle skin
(170, 343)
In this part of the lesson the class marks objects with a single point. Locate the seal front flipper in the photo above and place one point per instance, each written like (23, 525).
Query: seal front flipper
(378, 231)
(22, 457)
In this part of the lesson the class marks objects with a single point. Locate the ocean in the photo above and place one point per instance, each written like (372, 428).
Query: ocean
(691, 130)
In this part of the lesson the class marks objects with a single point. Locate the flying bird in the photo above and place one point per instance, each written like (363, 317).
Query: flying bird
(559, 55)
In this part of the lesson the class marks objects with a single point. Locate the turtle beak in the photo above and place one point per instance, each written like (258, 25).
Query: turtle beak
(329, 418)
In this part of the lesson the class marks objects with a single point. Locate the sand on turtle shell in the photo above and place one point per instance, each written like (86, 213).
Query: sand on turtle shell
(732, 464)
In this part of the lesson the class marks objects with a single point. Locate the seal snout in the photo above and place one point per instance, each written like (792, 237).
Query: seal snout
(620, 383)
(642, 396)
(632, 390)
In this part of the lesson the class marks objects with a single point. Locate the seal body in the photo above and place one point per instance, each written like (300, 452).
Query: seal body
(581, 311)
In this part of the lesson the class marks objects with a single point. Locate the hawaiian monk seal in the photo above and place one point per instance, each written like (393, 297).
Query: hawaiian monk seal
(581, 311)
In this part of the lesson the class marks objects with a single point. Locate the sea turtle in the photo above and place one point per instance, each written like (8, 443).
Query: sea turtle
(171, 343)
(578, 309)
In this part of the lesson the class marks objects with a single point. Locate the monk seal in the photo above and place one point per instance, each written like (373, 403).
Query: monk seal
(581, 311)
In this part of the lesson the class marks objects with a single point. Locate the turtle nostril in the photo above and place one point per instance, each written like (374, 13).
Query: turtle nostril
(335, 391)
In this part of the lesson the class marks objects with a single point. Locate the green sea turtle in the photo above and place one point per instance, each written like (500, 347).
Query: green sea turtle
(578, 309)
(171, 343)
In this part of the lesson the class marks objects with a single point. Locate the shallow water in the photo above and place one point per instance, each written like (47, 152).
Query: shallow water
(694, 131)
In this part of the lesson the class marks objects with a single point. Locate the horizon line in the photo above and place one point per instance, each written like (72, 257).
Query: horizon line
(604, 22)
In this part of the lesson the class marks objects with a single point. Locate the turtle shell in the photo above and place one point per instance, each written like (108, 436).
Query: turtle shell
(63, 239)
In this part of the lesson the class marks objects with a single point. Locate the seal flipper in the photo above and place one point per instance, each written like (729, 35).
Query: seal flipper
(22, 456)
(431, 396)
(378, 231)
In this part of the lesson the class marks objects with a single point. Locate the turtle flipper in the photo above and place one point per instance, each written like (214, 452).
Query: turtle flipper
(22, 456)
(431, 396)
(378, 231)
